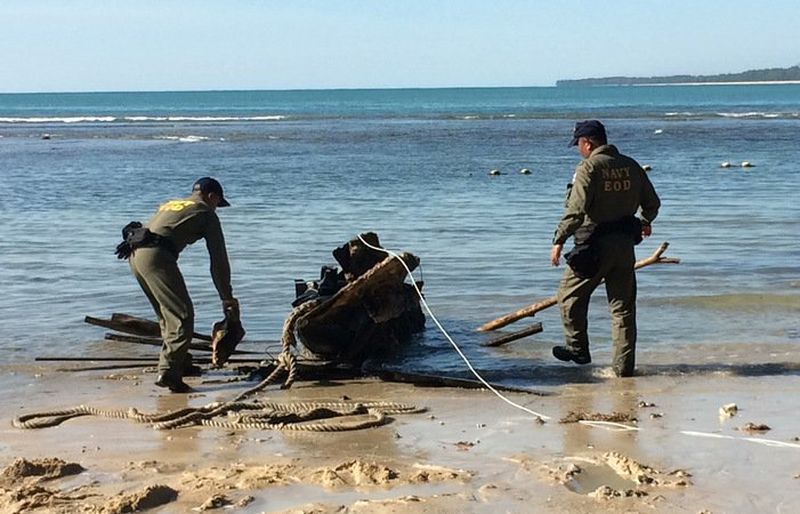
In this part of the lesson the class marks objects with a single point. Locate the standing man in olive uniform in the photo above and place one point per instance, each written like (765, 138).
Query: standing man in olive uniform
(608, 189)
(178, 223)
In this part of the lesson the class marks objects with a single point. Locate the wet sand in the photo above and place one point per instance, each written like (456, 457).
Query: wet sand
(469, 452)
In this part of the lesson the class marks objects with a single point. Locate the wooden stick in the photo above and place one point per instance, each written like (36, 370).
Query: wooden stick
(532, 309)
(133, 325)
(122, 338)
(129, 359)
(499, 341)
(109, 367)
(439, 381)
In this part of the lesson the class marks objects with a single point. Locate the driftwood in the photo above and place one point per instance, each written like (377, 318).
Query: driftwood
(499, 341)
(440, 381)
(135, 326)
(532, 309)
(109, 367)
(129, 359)
(151, 341)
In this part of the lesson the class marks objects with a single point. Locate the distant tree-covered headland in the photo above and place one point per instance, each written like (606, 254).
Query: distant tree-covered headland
(791, 74)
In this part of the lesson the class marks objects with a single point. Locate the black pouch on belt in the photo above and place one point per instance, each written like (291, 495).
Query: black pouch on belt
(583, 260)
(136, 236)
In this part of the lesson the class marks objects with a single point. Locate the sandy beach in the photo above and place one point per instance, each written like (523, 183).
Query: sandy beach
(468, 452)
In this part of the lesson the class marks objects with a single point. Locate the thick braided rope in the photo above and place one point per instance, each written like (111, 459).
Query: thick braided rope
(56, 417)
(205, 415)
(375, 418)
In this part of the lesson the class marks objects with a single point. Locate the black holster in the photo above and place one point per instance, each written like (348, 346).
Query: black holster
(134, 236)
(584, 258)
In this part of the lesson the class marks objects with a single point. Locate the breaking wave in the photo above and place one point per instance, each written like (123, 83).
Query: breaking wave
(137, 119)
(736, 115)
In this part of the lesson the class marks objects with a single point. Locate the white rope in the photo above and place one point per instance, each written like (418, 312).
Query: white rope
(441, 328)
(766, 442)
(607, 425)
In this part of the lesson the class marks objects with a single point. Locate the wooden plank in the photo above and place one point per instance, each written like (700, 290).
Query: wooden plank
(505, 339)
(130, 359)
(440, 381)
(135, 326)
(122, 338)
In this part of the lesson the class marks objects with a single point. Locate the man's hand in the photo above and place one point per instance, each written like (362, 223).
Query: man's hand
(555, 254)
(647, 229)
(230, 303)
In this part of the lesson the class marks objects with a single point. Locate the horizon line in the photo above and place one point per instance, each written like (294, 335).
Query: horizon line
(399, 88)
(246, 90)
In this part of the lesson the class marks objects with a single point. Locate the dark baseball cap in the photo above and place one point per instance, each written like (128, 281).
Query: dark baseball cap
(587, 128)
(210, 185)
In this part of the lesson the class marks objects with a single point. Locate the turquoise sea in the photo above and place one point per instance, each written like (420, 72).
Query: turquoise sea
(308, 170)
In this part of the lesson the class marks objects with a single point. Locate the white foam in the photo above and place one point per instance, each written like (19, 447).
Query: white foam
(184, 139)
(135, 119)
(65, 119)
(754, 114)
(276, 117)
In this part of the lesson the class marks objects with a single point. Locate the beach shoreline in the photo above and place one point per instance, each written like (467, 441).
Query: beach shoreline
(468, 452)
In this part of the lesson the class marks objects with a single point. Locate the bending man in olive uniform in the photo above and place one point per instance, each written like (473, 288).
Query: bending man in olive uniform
(180, 223)
(608, 189)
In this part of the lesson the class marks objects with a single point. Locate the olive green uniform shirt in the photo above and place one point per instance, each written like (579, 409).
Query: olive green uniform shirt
(187, 220)
(607, 186)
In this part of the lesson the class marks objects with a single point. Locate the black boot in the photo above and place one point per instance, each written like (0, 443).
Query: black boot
(173, 382)
(564, 353)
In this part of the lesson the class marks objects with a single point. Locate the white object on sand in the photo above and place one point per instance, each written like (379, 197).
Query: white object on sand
(728, 410)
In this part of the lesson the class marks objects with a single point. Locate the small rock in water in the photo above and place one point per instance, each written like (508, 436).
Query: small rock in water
(753, 427)
(728, 410)
(658, 131)
(525, 171)
(747, 164)
(647, 167)
(494, 173)
(725, 164)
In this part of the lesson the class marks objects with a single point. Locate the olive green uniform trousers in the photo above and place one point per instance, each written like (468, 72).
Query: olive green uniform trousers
(156, 270)
(617, 259)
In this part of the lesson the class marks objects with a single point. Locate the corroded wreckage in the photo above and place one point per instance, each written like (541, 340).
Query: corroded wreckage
(364, 309)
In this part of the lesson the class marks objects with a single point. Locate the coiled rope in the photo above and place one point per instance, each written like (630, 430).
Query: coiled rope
(308, 416)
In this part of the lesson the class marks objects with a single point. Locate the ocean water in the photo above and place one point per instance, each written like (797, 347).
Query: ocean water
(308, 170)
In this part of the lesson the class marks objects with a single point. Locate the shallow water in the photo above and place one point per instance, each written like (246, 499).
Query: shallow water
(306, 171)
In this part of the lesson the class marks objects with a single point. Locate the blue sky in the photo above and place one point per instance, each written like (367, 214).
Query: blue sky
(113, 45)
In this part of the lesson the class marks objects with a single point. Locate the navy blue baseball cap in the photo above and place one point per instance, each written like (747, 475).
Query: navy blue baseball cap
(210, 185)
(587, 128)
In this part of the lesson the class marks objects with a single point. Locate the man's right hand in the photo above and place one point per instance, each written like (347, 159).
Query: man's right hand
(647, 230)
(230, 303)
(555, 254)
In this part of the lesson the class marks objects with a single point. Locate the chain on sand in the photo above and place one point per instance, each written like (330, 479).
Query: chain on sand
(309, 416)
